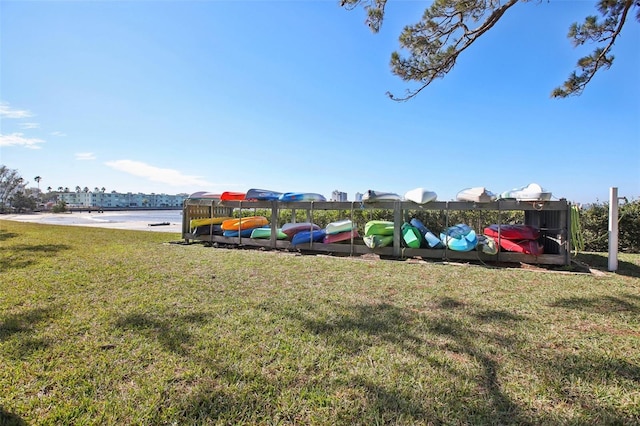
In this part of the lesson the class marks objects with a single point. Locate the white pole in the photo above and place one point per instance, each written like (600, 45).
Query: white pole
(613, 229)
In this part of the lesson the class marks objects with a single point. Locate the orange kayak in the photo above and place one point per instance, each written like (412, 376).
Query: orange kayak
(239, 224)
(232, 196)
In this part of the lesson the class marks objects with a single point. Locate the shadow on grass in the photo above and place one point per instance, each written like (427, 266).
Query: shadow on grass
(364, 325)
(23, 255)
(601, 262)
(24, 325)
(601, 305)
(171, 331)
(4, 235)
(10, 419)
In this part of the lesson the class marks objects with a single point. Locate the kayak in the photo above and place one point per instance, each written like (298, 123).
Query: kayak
(428, 237)
(513, 232)
(194, 223)
(524, 246)
(245, 233)
(301, 196)
(459, 237)
(479, 194)
(303, 237)
(420, 195)
(340, 236)
(291, 229)
(372, 195)
(262, 195)
(411, 236)
(378, 227)
(487, 245)
(375, 241)
(531, 192)
(207, 230)
(248, 222)
(232, 196)
(339, 226)
(265, 233)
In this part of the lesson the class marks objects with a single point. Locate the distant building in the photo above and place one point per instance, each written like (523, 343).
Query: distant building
(358, 196)
(338, 196)
(120, 200)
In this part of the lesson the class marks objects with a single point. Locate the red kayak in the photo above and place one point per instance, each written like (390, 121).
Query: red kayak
(232, 196)
(523, 246)
(513, 232)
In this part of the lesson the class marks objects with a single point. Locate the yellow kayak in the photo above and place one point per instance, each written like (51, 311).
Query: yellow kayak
(194, 223)
(248, 222)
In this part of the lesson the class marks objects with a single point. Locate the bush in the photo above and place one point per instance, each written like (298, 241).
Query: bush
(595, 227)
(60, 207)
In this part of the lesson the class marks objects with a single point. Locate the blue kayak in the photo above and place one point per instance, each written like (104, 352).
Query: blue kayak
(301, 196)
(459, 237)
(429, 237)
(262, 195)
(305, 237)
(244, 233)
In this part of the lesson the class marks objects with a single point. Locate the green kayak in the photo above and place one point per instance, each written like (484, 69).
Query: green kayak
(378, 227)
(375, 241)
(265, 233)
(411, 236)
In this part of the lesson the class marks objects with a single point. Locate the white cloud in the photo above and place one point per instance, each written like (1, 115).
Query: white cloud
(57, 133)
(7, 112)
(156, 174)
(29, 125)
(18, 139)
(85, 156)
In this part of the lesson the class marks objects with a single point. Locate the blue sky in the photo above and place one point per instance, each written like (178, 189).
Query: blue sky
(181, 96)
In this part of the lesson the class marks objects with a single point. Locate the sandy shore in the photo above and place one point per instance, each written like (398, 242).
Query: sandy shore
(87, 219)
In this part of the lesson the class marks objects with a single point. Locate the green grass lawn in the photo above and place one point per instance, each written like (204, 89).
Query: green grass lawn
(104, 326)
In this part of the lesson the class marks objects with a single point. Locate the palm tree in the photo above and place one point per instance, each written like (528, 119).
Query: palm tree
(49, 189)
(78, 188)
(60, 189)
(66, 189)
(38, 179)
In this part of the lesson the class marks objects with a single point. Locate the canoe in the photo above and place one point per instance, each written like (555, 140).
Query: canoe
(378, 227)
(301, 196)
(244, 233)
(232, 196)
(248, 222)
(194, 223)
(531, 192)
(459, 237)
(513, 232)
(478, 194)
(375, 241)
(523, 246)
(304, 237)
(420, 195)
(487, 245)
(261, 194)
(411, 235)
(428, 237)
(372, 196)
(265, 233)
(339, 226)
(291, 229)
(207, 230)
(340, 236)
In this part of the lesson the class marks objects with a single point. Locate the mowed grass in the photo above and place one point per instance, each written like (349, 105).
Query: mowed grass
(120, 327)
